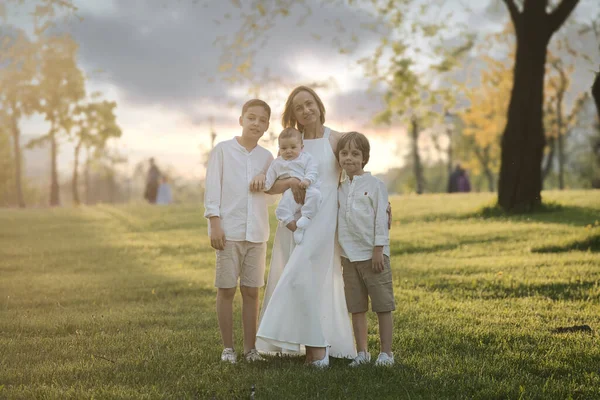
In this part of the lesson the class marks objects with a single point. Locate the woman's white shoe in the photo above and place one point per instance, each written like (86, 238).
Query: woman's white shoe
(324, 362)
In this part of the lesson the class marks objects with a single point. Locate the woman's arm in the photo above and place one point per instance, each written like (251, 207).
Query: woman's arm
(281, 185)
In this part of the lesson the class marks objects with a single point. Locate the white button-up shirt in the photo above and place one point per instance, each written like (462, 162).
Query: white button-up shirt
(302, 167)
(244, 214)
(362, 217)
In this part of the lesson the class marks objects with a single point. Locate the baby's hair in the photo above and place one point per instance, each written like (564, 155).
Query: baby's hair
(254, 103)
(290, 132)
(359, 140)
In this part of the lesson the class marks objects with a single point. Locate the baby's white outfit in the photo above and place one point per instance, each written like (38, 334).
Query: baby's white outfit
(302, 167)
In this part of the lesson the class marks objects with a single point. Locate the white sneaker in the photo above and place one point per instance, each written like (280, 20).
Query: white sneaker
(302, 222)
(253, 355)
(298, 235)
(324, 362)
(384, 360)
(229, 355)
(363, 357)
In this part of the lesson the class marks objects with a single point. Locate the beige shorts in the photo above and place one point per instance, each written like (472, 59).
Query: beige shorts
(361, 282)
(241, 260)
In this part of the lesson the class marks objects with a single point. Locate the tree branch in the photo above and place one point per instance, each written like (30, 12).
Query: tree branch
(515, 15)
(560, 14)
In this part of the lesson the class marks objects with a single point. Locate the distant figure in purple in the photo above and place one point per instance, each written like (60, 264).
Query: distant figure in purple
(459, 181)
(152, 182)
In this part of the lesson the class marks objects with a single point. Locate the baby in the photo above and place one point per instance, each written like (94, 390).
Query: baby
(292, 162)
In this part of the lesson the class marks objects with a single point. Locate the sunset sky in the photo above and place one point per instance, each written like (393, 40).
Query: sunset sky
(158, 60)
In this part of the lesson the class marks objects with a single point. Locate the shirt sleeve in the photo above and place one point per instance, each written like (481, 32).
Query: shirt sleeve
(382, 236)
(271, 174)
(312, 169)
(213, 183)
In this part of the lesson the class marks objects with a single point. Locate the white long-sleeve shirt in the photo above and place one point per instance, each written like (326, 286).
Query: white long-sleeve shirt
(302, 167)
(362, 217)
(231, 168)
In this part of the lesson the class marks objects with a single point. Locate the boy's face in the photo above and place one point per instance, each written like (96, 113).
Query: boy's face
(306, 109)
(254, 122)
(351, 159)
(290, 147)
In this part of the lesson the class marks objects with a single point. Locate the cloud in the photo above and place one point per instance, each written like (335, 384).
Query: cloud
(164, 53)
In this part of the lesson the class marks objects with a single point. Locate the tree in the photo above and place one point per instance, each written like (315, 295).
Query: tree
(17, 98)
(559, 122)
(95, 124)
(61, 86)
(523, 139)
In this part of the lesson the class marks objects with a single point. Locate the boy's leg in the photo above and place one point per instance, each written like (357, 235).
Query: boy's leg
(359, 324)
(385, 332)
(227, 271)
(357, 301)
(381, 291)
(249, 316)
(225, 315)
(252, 278)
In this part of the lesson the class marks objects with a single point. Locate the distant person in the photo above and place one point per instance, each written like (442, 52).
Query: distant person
(453, 179)
(152, 183)
(164, 195)
(464, 186)
(239, 224)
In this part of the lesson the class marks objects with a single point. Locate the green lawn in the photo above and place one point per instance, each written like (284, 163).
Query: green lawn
(117, 302)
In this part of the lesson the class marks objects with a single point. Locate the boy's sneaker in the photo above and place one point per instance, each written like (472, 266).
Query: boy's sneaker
(253, 355)
(229, 355)
(384, 360)
(363, 357)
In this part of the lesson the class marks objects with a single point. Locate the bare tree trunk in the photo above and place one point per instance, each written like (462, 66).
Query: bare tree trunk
(523, 140)
(596, 93)
(16, 134)
(549, 159)
(54, 188)
(418, 168)
(75, 181)
(86, 177)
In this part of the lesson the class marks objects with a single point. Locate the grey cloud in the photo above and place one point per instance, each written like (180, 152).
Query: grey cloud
(160, 52)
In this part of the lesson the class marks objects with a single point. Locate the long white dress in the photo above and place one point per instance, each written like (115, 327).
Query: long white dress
(304, 302)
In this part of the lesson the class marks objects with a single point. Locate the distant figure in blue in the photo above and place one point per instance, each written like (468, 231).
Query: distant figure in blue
(164, 195)
(459, 181)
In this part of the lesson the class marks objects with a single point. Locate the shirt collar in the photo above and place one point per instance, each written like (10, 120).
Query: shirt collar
(358, 177)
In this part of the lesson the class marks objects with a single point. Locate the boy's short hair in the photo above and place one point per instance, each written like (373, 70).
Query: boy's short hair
(359, 140)
(290, 132)
(256, 102)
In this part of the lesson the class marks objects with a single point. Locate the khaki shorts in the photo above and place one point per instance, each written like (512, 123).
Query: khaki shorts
(241, 260)
(361, 282)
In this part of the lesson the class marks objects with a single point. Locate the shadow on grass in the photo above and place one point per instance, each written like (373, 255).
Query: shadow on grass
(591, 244)
(572, 291)
(550, 212)
(402, 248)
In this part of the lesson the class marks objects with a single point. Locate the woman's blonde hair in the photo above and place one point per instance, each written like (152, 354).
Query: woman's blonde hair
(288, 120)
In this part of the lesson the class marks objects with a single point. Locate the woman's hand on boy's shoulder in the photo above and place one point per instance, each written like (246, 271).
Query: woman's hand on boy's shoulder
(258, 183)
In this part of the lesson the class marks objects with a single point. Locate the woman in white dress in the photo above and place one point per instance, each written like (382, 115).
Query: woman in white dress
(304, 305)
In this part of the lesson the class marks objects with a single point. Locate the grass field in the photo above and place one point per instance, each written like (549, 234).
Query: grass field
(117, 302)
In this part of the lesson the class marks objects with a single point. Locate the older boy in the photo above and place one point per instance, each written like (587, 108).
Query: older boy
(239, 224)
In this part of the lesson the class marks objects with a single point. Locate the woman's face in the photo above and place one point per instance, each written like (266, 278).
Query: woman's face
(306, 109)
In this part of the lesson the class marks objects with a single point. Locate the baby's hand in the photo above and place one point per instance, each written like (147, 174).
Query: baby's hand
(304, 184)
(258, 183)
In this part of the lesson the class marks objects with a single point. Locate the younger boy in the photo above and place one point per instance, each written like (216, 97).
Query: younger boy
(364, 239)
(239, 224)
(295, 163)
